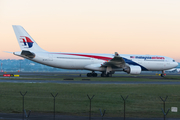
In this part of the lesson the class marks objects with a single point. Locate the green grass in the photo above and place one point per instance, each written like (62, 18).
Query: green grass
(143, 100)
(172, 77)
(125, 79)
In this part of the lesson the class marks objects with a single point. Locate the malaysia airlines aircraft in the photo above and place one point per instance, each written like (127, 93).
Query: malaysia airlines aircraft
(105, 63)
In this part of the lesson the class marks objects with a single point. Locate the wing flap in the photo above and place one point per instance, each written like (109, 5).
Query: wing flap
(116, 62)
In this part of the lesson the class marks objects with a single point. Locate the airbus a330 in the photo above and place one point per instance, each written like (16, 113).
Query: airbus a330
(107, 64)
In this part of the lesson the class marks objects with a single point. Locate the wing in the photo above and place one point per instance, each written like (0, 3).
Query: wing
(116, 62)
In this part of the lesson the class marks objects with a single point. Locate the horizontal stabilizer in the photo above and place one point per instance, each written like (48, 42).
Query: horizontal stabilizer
(8, 52)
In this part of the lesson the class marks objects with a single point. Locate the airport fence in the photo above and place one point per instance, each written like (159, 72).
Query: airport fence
(92, 105)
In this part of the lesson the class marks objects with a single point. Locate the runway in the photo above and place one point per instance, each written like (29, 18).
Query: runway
(58, 78)
(89, 82)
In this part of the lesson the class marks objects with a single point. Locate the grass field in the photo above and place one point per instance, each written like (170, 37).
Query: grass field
(143, 100)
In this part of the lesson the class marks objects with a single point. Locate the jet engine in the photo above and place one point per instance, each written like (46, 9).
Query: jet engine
(133, 70)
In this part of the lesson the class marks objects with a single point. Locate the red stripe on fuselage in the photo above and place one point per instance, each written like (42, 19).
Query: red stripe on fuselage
(90, 56)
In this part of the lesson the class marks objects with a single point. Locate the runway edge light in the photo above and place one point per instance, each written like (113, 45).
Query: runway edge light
(6, 75)
(16, 75)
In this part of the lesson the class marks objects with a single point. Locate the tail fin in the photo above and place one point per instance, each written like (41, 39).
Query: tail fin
(25, 41)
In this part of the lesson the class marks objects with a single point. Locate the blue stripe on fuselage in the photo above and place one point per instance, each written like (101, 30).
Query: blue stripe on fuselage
(130, 62)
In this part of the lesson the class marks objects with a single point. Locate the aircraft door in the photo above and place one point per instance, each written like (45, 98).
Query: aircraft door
(50, 57)
(92, 60)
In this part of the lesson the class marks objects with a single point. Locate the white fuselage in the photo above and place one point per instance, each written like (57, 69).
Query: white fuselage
(81, 60)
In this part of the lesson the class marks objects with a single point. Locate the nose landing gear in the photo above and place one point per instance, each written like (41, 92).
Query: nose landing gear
(163, 74)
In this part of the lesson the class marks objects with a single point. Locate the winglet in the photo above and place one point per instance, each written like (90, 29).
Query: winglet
(116, 54)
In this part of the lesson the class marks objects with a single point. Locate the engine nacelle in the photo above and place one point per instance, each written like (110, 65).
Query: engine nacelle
(133, 70)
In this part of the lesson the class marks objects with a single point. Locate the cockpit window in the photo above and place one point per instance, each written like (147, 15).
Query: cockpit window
(174, 61)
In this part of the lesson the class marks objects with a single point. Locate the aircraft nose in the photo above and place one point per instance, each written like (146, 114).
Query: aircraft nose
(176, 64)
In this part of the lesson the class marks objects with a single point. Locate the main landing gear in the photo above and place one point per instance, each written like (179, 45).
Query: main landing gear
(163, 74)
(106, 75)
(93, 74)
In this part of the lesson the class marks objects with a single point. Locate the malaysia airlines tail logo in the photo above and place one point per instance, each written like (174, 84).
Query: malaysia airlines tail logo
(26, 41)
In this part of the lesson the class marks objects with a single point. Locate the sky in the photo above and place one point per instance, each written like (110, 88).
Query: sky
(94, 26)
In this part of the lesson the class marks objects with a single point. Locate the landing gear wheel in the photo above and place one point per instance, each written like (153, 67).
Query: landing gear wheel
(109, 75)
(89, 74)
(94, 74)
(162, 75)
(103, 75)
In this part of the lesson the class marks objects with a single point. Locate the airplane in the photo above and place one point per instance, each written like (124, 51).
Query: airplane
(107, 64)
